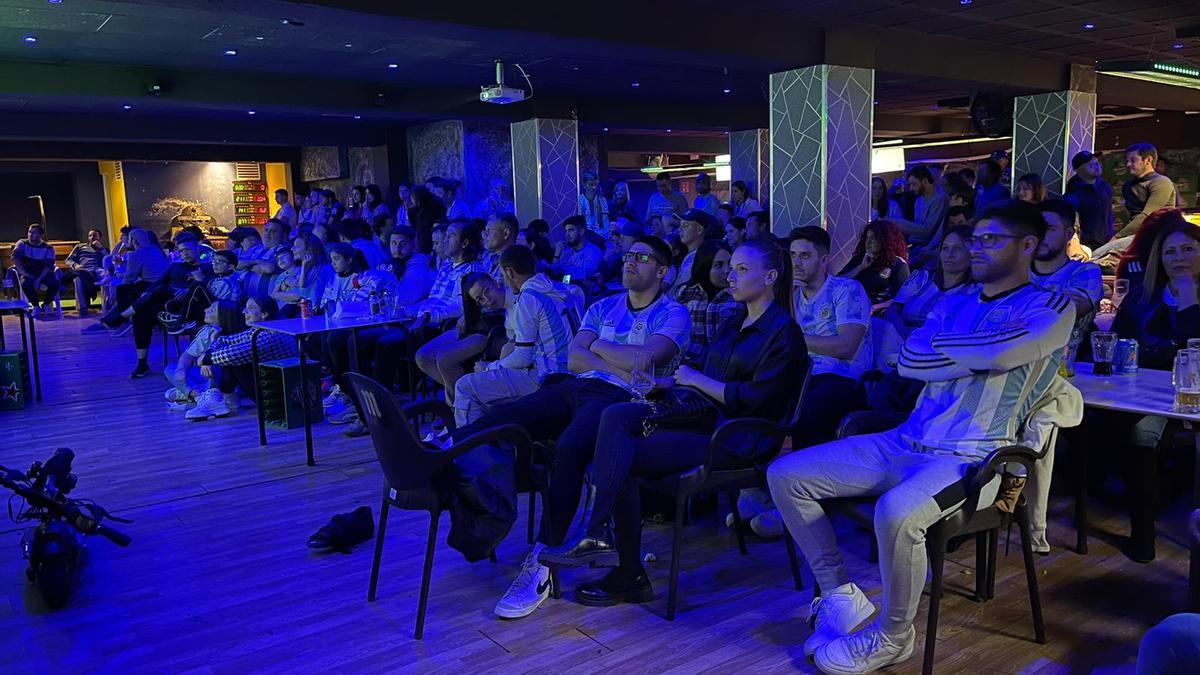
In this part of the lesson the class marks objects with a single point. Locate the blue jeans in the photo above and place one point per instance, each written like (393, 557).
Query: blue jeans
(1172, 646)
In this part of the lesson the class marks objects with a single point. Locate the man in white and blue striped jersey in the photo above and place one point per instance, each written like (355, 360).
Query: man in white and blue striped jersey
(985, 358)
(540, 327)
(602, 359)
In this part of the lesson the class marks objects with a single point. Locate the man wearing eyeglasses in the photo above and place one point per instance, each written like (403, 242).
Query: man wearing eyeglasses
(986, 359)
(567, 408)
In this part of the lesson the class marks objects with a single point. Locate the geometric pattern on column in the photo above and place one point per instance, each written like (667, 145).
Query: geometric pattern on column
(821, 125)
(526, 197)
(750, 161)
(1048, 129)
(545, 170)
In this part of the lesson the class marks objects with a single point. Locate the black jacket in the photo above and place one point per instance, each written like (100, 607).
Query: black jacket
(1159, 328)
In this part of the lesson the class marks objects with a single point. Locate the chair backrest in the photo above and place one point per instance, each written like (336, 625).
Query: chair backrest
(793, 419)
(406, 462)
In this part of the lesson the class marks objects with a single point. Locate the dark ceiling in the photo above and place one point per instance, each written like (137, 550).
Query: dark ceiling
(331, 60)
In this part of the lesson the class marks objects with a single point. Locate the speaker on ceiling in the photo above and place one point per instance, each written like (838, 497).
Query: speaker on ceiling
(992, 114)
(34, 212)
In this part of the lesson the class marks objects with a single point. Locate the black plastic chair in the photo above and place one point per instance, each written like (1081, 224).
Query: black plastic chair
(983, 524)
(706, 479)
(410, 467)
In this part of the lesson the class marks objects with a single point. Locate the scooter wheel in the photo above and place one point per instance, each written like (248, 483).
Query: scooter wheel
(54, 582)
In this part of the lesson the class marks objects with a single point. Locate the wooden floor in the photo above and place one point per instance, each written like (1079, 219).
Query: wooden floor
(218, 579)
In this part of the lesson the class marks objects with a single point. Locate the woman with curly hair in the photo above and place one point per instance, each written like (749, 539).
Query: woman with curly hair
(880, 261)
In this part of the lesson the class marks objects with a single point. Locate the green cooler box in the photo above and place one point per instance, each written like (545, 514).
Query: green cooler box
(16, 390)
(279, 389)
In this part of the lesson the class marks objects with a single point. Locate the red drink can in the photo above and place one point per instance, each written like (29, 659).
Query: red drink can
(306, 311)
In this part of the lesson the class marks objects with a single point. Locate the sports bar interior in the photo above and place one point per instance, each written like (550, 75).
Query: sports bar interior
(446, 303)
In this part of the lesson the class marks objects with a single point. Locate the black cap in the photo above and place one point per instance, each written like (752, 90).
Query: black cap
(698, 215)
(1081, 158)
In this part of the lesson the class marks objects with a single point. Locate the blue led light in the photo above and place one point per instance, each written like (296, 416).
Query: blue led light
(29, 39)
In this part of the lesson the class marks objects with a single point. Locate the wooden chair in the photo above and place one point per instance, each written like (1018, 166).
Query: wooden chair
(706, 479)
(409, 467)
(969, 521)
(12, 275)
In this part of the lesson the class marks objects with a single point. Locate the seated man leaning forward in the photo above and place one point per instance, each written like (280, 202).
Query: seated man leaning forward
(568, 407)
(985, 358)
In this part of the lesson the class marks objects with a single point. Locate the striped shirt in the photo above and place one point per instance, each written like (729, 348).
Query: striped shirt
(706, 315)
(920, 293)
(445, 296)
(985, 362)
(613, 319)
(839, 301)
(1076, 279)
(543, 322)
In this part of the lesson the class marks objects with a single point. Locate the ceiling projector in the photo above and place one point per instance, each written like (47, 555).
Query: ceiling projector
(499, 93)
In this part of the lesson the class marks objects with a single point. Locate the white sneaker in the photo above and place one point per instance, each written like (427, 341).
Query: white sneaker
(528, 591)
(211, 404)
(768, 524)
(179, 407)
(173, 395)
(436, 435)
(750, 503)
(335, 392)
(347, 415)
(836, 614)
(866, 651)
(1038, 542)
(339, 405)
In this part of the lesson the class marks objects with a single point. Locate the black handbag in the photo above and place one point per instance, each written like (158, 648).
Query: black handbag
(680, 408)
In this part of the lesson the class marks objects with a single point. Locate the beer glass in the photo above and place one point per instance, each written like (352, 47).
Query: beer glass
(1103, 346)
(1186, 379)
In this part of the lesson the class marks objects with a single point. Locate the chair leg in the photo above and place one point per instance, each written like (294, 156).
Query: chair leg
(426, 573)
(555, 583)
(993, 552)
(873, 555)
(676, 545)
(737, 521)
(937, 561)
(981, 567)
(1035, 599)
(532, 508)
(793, 559)
(383, 514)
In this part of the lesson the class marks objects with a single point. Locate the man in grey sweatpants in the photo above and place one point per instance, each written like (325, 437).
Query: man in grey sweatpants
(985, 359)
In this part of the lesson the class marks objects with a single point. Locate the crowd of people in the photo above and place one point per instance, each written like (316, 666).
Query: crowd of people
(953, 312)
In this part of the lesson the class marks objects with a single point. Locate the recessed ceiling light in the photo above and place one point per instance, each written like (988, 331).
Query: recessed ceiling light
(636, 85)
(126, 106)
(727, 90)
(606, 128)
(55, 2)
(1178, 45)
(1089, 26)
(964, 2)
(393, 66)
(29, 39)
(251, 112)
(291, 22)
(258, 37)
(668, 131)
(230, 52)
(358, 117)
(347, 45)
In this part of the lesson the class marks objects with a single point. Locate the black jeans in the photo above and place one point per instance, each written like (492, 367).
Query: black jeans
(623, 452)
(87, 279)
(569, 410)
(126, 294)
(230, 378)
(895, 394)
(1130, 443)
(191, 304)
(145, 316)
(829, 399)
(29, 284)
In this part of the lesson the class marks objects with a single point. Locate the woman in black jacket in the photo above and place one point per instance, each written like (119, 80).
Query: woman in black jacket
(754, 368)
(1162, 315)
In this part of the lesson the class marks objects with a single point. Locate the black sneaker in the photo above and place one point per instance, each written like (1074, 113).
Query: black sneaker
(141, 370)
(181, 327)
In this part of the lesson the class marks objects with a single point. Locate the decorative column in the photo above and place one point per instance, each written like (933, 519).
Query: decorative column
(821, 123)
(750, 161)
(545, 158)
(1048, 129)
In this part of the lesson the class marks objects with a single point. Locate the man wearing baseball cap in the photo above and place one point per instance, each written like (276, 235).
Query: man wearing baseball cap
(1092, 197)
(694, 226)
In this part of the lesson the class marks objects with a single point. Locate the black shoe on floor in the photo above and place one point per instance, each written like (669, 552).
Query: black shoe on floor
(582, 549)
(345, 530)
(614, 587)
(141, 370)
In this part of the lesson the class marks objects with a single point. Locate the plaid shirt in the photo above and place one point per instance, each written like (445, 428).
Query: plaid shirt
(707, 316)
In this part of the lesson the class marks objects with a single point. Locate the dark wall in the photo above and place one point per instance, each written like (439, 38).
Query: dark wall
(72, 195)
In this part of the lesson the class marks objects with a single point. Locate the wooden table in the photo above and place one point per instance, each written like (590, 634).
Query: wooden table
(1147, 392)
(300, 329)
(24, 311)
